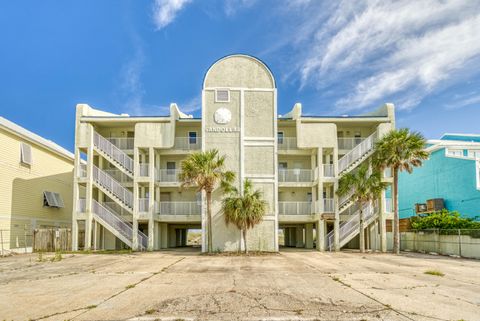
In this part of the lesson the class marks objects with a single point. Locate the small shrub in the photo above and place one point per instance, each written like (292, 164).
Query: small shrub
(434, 272)
(40, 257)
(444, 220)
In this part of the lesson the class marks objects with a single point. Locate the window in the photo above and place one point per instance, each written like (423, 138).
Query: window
(474, 153)
(454, 152)
(280, 136)
(26, 154)
(52, 199)
(282, 166)
(192, 137)
(358, 138)
(222, 96)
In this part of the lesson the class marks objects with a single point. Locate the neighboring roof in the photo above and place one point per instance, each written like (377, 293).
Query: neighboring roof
(436, 144)
(461, 137)
(34, 138)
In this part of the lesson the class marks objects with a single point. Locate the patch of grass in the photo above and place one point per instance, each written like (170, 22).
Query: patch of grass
(434, 272)
(336, 279)
(130, 286)
(57, 258)
(150, 311)
(40, 257)
(93, 306)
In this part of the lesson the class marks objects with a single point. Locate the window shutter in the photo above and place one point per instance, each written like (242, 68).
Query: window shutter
(59, 200)
(49, 198)
(26, 154)
(222, 95)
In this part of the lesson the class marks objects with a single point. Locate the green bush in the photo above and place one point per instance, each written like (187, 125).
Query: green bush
(443, 220)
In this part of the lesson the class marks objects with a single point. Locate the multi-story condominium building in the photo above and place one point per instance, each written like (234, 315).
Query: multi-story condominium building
(132, 195)
(451, 176)
(36, 184)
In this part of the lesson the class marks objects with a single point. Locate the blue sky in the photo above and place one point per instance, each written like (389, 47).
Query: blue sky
(136, 57)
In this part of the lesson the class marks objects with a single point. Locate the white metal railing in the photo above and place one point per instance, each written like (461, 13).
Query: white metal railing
(82, 171)
(116, 208)
(168, 175)
(114, 187)
(143, 169)
(388, 205)
(328, 170)
(188, 143)
(118, 175)
(356, 153)
(124, 143)
(113, 151)
(328, 205)
(178, 208)
(350, 210)
(351, 225)
(287, 142)
(143, 205)
(295, 175)
(118, 223)
(343, 200)
(349, 142)
(81, 205)
(295, 208)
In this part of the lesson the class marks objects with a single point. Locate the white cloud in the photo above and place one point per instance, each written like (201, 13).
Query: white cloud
(372, 51)
(467, 100)
(165, 11)
(232, 6)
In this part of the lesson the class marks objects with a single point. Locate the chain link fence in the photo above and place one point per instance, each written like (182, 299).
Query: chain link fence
(18, 242)
(454, 242)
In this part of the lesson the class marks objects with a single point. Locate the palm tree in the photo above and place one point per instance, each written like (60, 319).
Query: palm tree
(244, 210)
(206, 170)
(401, 150)
(366, 187)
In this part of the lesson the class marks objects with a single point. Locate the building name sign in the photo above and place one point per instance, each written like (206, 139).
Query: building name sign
(222, 129)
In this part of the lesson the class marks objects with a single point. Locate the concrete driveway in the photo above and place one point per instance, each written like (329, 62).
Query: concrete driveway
(293, 285)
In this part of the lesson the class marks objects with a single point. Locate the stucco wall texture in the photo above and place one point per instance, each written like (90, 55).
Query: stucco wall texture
(452, 179)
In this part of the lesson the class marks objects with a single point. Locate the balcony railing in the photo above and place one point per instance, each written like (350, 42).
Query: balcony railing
(388, 205)
(295, 208)
(82, 171)
(168, 175)
(285, 143)
(188, 143)
(143, 205)
(349, 142)
(295, 175)
(178, 208)
(124, 143)
(81, 205)
(328, 205)
(143, 169)
(328, 170)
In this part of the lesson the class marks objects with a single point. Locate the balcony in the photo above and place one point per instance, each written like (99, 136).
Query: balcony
(188, 143)
(328, 170)
(328, 205)
(178, 208)
(295, 208)
(81, 205)
(388, 205)
(124, 143)
(168, 175)
(143, 169)
(143, 206)
(287, 143)
(82, 171)
(295, 175)
(348, 143)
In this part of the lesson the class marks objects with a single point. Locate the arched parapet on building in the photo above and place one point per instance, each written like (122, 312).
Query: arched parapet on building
(239, 71)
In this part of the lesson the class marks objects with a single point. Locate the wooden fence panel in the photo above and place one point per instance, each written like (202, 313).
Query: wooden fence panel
(52, 239)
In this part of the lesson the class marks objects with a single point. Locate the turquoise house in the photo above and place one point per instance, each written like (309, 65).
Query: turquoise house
(452, 173)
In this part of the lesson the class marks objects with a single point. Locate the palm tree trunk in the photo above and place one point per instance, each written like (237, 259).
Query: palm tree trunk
(209, 222)
(396, 220)
(362, 231)
(244, 231)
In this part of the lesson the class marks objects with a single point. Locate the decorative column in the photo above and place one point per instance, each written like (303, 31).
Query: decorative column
(89, 191)
(135, 244)
(151, 198)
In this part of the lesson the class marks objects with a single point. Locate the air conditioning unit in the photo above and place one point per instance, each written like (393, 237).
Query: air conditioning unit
(420, 208)
(435, 204)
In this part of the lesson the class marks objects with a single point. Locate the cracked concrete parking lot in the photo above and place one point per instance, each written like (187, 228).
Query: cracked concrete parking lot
(292, 285)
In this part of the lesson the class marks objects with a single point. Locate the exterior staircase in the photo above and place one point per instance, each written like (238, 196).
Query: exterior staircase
(357, 155)
(108, 185)
(351, 228)
(113, 154)
(117, 225)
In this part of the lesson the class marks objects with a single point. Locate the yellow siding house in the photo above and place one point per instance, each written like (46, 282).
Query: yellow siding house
(36, 177)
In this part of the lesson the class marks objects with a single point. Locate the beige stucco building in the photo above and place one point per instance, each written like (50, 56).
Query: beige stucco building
(36, 186)
(132, 196)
